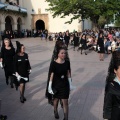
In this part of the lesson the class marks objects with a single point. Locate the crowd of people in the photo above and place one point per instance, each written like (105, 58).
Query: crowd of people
(11, 34)
(103, 41)
(17, 67)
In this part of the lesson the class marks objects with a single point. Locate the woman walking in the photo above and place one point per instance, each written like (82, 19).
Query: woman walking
(67, 38)
(76, 40)
(7, 59)
(101, 49)
(58, 45)
(60, 82)
(22, 69)
(83, 43)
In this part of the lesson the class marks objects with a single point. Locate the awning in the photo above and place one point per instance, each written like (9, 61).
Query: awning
(13, 8)
(2, 5)
(23, 10)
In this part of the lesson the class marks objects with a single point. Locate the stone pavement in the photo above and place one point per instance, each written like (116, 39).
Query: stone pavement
(86, 101)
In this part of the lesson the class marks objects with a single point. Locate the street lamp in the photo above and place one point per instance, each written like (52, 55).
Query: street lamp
(83, 24)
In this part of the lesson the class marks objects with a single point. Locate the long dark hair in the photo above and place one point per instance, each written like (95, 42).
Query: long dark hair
(19, 46)
(58, 45)
(82, 36)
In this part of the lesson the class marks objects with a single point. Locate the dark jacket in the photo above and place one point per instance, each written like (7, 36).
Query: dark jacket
(111, 109)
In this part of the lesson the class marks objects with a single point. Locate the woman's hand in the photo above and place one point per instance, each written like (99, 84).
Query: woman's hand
(18, 76)
(30, 71)
(50, 88)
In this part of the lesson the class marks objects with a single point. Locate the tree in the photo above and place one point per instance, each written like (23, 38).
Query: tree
(85, 9)
(117, 22)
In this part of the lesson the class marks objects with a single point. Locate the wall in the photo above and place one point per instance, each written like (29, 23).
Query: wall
(55, 24)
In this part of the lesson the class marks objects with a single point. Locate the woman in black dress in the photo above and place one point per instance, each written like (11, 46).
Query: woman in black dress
(83, 43)
(7, 55)
(60, 37)
(60, 82)
(58, 45)
(111, 110)
(22, 68)
(100, 46)
(76, 40)
(67, 38)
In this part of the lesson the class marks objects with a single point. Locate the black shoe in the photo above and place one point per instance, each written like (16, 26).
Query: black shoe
(3, 117)
(56, 115)
(24, 99)
(21, 100)
(85, 53)
(81, 53)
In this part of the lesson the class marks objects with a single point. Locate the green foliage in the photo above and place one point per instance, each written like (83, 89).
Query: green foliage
(85, 9)
(117, 22)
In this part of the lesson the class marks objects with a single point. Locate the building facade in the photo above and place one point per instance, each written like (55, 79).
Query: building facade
(12, 15)
(32, 14)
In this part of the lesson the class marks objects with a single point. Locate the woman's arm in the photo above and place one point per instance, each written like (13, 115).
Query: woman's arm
(69, 74)
(51, 76)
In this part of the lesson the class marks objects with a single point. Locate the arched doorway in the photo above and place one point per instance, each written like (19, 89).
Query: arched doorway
(40, 25)
(19, 23)
(8, 23)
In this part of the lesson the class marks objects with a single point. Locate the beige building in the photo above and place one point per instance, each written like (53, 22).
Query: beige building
(12, 15)
(32, 14)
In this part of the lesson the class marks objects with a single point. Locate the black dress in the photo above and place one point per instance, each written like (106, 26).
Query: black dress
(67, 39)
(8, 59)
(100, 43)
(76, 41)
(54, 57)
(22, 66)
(60, 79)
(83, 42)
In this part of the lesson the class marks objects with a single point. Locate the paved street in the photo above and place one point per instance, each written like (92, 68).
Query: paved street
(86, 101)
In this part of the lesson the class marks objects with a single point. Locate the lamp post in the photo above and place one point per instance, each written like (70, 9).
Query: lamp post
(83, 23)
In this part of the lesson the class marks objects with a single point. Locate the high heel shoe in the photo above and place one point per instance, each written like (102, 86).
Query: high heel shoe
(3, 117)
(21, 100)
(56, 115)
(24, 99)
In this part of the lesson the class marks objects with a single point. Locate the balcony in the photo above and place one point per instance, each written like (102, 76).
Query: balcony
(8, 7)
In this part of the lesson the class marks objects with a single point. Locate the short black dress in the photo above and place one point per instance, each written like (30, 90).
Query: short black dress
(8, 58)
(60, 79)
(76, 41)
(22, 66)
(100, 43)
